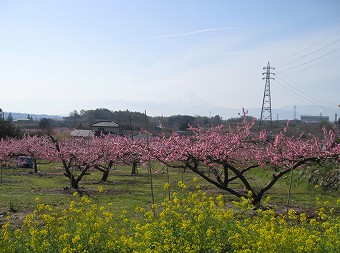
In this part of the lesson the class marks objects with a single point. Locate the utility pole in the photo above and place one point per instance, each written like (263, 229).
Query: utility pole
(266, 112)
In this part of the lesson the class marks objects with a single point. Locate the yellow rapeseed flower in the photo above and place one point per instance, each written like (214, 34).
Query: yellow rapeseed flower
(181, 185)
(100, 188)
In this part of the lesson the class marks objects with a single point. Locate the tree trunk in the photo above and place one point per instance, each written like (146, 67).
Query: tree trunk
(134, 168)
(105, 175)
(68, 173)
(105, 170)
(257, 200)
(73, 181)
(35, 165)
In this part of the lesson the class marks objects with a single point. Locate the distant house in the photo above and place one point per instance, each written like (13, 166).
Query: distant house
(106, 127)
(82, 133)
(314, 119)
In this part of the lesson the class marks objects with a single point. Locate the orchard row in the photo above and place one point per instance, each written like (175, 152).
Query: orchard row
(228, 153)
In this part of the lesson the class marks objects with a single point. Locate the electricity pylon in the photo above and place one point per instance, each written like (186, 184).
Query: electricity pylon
(266, 112)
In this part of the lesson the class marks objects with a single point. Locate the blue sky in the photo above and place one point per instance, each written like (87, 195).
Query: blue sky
(57, 56)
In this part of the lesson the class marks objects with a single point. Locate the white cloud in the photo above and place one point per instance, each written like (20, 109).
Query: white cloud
(194, 32)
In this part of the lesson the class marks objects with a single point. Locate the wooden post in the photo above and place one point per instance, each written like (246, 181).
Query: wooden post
(1, 173)
(149, 161)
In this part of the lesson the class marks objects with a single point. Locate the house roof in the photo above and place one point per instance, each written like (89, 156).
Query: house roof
(82, 133)
(313, 119)
(105, 124)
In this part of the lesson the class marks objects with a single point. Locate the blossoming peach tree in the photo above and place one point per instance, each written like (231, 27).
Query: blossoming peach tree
(100, 153)
(230, 154)
(118, 150)
(33, 146)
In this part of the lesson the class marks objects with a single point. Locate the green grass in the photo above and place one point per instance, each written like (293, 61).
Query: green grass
(20, 187)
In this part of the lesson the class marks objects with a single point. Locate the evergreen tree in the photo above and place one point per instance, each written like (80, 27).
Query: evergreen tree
(10, 117)
(7, 129)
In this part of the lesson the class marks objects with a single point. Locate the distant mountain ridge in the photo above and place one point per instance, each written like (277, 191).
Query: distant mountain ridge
(187, 104)
(189, 99)
(23, 116)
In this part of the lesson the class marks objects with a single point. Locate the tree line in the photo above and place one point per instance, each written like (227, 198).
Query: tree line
(130, 121)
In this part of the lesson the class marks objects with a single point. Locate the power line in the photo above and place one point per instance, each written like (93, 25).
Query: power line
(285, 70)
(294, 85)
(286, 91)
(308, 47)
(314, 98)
(300, 95)
(314, 65)
(306, 55)
(303, 99)
(292, 94)
(304, 59)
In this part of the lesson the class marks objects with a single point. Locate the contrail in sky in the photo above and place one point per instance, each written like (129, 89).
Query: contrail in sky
(193, 32)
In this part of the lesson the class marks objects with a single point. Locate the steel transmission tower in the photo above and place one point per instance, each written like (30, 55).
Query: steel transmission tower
(266, 112)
